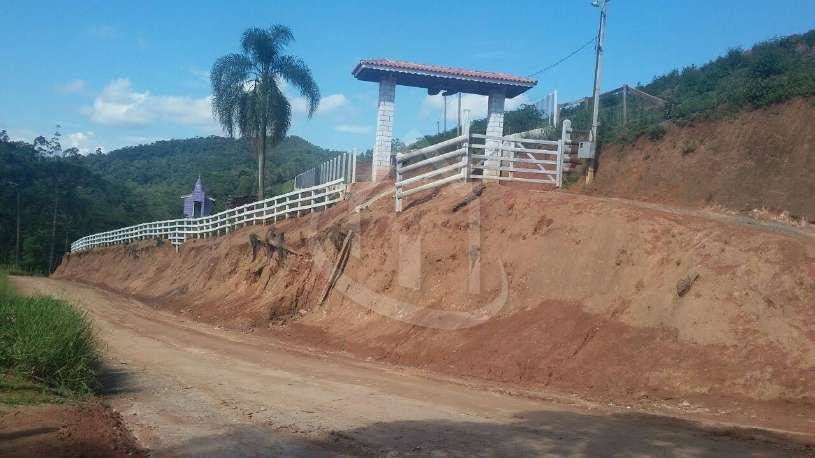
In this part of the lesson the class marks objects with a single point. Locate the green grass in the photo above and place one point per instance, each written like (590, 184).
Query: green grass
(16, 390)
(45, 341)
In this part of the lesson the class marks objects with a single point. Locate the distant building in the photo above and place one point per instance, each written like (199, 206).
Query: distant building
(197, 203)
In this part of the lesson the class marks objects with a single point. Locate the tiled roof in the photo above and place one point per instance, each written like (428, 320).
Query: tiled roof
(410, 67)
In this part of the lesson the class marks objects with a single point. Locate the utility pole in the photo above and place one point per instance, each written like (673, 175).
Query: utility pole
(603, 5)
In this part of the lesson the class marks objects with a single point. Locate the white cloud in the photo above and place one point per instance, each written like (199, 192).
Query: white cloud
(83, 141)
(328, 104)
(70, 87)
(477, 104)
(332, 103)
(200, 75)
(353, 128)
(299, 106)
(120, 104)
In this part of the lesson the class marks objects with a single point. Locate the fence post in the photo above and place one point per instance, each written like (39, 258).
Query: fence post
(559, 165)
(336, 168)
(397, 188)
(354, 166)
(466, 145)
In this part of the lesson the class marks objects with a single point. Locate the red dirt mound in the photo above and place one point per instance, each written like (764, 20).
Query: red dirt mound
(577, 293)
(66, 430)
(757, 159)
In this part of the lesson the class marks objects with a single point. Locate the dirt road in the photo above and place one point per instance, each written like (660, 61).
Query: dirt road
(188, 389)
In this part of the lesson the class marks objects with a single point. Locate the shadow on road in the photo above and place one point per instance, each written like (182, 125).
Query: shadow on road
(538, 433)
(115, 380)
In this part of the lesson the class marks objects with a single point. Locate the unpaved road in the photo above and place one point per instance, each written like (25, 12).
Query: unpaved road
(188, 389)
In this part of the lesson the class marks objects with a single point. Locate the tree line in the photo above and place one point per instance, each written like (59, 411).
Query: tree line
(65, 196)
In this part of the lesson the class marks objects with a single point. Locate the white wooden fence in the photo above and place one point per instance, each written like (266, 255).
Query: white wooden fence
(477, 156)
(177, 231)
(342, 166)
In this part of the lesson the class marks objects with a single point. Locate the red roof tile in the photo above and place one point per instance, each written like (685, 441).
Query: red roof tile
(453, 72)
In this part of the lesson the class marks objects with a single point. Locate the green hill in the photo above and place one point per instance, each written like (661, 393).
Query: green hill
(165, 170)
(126, 186)
(770, 72)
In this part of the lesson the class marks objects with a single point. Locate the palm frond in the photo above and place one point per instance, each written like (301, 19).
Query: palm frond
(280, 36)
(297, 73)
(264, 45)
(279, 110)
(228, 77)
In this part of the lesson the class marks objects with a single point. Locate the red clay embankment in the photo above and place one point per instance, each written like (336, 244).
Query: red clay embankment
(589, 303)
(760, 159)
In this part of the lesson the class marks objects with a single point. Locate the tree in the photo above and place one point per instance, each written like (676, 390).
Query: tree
(246, 94)
(49, 148)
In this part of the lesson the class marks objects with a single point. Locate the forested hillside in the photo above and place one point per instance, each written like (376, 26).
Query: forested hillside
(770, 72)
(165, 170)
(126, 186)
(85, 202)
(734, 133)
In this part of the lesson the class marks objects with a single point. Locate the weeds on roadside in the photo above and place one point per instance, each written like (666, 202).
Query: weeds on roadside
(46, 340)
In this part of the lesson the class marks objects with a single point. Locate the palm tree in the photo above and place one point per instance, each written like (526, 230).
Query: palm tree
(246, 90)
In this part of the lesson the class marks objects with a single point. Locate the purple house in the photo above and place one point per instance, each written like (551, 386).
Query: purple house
(197, 203)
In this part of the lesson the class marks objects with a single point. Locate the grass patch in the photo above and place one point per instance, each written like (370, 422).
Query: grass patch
(47, 341)
(16, 390)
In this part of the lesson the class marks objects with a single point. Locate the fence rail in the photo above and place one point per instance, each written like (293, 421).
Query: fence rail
(441, 167)
(518, 159)
(177, 231)
(484, 157)
(342, 166)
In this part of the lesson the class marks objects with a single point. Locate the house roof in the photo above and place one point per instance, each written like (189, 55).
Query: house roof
(437, 78)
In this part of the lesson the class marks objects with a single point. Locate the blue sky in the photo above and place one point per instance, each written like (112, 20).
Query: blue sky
(119, 73)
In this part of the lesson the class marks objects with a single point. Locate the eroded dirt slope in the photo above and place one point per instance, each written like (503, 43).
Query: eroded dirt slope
(758, 159)
(571, 292)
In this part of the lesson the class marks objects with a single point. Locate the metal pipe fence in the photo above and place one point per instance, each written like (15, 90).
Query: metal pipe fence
(342, 166)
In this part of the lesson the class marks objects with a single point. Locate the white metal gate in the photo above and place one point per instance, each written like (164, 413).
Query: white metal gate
(510, 158)
(478, 156)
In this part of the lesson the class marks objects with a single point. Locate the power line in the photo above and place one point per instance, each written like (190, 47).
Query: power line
(564, 59)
